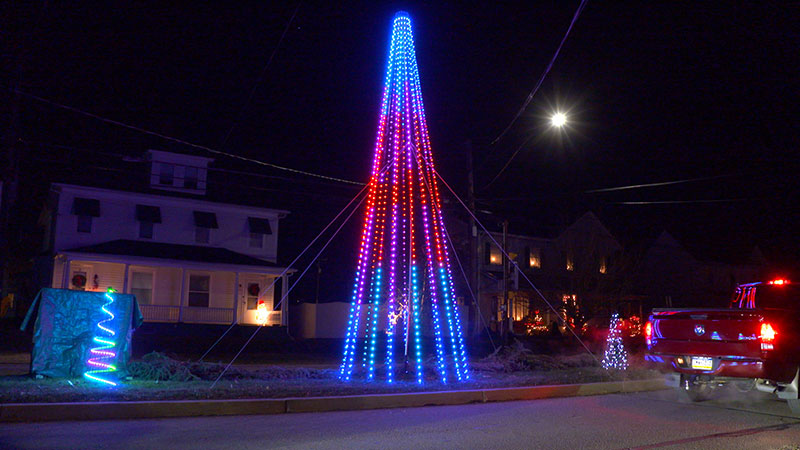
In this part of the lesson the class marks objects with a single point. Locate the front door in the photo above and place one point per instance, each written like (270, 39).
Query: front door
(254, 308)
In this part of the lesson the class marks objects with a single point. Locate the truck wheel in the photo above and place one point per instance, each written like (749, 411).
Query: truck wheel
(693, 390)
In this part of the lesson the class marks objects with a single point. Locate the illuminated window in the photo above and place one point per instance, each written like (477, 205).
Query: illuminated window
(570, 263)
(603, 266)
(491, 254)
(494, 256)
(519, 308)
(535, 258)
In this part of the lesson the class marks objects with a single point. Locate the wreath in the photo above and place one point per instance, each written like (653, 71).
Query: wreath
(79, 280)
(253, 289)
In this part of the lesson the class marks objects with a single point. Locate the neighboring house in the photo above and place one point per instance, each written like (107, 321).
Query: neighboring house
(567, 269)
(672, 276)
(187, 259)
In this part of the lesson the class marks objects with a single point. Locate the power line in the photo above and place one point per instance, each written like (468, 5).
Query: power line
(544, 74)
(209, 169)
(179, 141)
(662, 183)
(678, 202)
(507, 163)
(260, 78)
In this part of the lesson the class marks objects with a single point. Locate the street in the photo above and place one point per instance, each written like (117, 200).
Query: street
(644, 420)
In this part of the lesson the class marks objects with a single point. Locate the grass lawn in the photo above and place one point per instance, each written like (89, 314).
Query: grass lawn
(157, 377)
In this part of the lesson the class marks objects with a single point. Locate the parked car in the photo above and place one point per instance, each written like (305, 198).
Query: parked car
(754, 343)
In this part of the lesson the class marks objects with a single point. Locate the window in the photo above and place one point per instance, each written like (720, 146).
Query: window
(253, 289)
(256, 240)
(570, 263)
(492, 254)
(166, 173)
(603, 266)
(190, 177)
(147, 216)
(199, 290)
(78, 280)
(201, 235)
(204, 222)
(85, 209)
(535, 258)
(84, 224)
(259, 227)
(146, 230)
(142, 287)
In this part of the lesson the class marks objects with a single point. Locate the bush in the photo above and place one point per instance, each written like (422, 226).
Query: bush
(518, 358)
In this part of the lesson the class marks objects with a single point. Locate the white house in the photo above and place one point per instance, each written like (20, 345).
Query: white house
(185, 258)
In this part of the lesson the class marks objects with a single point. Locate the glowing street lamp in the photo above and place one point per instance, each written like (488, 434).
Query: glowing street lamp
(558, 120)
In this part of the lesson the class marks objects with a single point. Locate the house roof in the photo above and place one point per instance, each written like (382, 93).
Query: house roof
(180, 252)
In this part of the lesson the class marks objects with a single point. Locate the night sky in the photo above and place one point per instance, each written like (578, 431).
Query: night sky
(654, 92)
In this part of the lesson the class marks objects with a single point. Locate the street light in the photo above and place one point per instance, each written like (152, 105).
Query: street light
(558, 120)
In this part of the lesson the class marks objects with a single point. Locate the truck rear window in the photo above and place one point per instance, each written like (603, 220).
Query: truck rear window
(767, 296)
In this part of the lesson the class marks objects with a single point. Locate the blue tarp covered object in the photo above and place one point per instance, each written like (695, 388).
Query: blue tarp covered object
(66, 324)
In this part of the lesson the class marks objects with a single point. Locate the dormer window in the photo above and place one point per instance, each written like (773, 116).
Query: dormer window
(178, 172)
(190, 177)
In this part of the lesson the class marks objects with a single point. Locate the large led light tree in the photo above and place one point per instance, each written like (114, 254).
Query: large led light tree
(404, 288)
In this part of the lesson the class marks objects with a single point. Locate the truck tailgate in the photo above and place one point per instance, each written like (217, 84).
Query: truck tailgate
(706, 332)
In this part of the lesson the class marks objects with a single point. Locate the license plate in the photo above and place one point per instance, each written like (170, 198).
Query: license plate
(702, 363)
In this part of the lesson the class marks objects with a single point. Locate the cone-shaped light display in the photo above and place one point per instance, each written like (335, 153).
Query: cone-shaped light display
(403, 306)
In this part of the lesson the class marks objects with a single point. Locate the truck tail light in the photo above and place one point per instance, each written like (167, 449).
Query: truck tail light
(648, 332)
(767, 336)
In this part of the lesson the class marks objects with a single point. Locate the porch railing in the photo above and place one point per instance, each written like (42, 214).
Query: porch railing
(160, 313)
(166, 313)
(207, 315)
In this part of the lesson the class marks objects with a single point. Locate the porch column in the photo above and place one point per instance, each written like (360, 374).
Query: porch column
(65, 274)
(125, 280)
(236, 299)
(183, 289)
(285, 302)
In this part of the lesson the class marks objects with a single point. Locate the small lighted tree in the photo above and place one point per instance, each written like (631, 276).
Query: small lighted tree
(615, 356)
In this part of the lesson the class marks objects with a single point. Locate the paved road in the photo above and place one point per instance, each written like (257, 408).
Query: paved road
(644, 420)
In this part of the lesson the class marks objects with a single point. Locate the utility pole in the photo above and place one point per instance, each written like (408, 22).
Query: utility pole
(474, 243)
(506, 326)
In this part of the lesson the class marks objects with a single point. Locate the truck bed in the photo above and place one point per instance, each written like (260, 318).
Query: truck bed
(718, 332)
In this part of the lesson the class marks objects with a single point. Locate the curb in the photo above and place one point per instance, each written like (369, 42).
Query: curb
(40, 412)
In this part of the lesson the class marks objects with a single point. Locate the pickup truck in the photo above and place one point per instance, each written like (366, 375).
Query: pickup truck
(752, 344)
